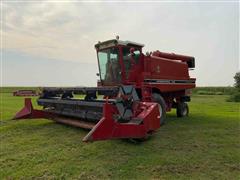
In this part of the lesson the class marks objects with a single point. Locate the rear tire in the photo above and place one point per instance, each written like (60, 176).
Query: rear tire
(162, 106)
(182, 109)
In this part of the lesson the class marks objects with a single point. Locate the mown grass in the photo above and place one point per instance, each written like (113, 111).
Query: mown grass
(204, 145)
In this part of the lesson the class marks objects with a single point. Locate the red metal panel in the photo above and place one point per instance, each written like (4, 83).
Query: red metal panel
(161, 68)
(108, 128)
(171, 87)
(28, 112)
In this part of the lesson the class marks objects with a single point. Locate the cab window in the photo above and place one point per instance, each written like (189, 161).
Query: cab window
(127, 58)
(109, 65)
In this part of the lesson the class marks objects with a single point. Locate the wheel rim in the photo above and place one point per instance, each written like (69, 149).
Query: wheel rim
(160, 110)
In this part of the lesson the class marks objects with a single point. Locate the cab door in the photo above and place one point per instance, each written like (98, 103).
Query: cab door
(131, 62)
(109, 66)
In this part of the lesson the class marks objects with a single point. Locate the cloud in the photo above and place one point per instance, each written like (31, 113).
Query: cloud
(68, 31)
(64, 31)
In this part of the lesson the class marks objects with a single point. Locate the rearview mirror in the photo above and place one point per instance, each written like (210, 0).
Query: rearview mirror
(97, 74)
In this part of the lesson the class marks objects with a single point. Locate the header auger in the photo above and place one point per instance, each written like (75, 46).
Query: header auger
(131, 99)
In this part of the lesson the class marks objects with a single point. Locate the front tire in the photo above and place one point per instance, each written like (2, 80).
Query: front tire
(182, 109)
(162, 106)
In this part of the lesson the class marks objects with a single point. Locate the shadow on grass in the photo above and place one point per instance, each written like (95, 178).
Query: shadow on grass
(172, 123)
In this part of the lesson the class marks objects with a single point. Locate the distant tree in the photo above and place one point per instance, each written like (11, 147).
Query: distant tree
(237, 80)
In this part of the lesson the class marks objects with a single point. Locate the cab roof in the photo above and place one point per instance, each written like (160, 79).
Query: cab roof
(113, 42)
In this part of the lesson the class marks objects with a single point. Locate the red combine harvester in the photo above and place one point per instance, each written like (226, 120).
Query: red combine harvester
(137, 90)
(25, 93)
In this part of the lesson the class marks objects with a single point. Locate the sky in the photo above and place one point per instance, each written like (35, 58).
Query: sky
(51, 43)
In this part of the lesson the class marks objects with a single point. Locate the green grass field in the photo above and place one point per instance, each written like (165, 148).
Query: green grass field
(205, 145)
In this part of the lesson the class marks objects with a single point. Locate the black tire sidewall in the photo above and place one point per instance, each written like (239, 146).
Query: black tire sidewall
(181, 108)
(159, 99)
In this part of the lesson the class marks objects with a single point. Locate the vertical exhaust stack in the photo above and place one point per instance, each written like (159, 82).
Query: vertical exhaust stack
(123, 117)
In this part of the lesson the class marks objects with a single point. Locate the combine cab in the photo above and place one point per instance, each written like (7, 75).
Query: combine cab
(136, 91)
